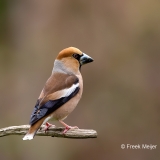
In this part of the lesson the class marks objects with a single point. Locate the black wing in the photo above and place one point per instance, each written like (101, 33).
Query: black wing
(40, 111)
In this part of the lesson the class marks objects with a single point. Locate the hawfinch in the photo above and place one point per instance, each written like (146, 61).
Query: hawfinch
(62, 91)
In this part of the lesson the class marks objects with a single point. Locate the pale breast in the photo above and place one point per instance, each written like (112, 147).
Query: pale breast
(62, 112)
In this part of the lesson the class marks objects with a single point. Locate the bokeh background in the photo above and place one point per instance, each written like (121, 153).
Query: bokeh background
(121, 98)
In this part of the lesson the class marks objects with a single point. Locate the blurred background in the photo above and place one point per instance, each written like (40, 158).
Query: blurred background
(121, 98)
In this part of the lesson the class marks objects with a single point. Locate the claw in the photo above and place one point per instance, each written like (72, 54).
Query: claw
(48, 125)
(67, 127)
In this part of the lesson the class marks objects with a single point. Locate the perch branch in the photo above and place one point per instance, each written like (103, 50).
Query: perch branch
(53, 132)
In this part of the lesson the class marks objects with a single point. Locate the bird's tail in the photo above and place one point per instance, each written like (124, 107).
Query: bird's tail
(29, 136)
(32, 130)
(31, 133)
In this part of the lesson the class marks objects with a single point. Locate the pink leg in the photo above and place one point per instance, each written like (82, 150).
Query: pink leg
(67, 127)
(48, 125)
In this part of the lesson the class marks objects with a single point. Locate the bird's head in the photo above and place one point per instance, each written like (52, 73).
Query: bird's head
(72, 59)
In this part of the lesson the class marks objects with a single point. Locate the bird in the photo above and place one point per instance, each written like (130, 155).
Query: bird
(61, 92)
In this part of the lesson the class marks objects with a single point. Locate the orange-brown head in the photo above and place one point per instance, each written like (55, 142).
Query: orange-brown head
(71, 59)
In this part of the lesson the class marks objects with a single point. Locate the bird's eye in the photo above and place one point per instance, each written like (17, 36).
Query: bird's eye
(76, 56)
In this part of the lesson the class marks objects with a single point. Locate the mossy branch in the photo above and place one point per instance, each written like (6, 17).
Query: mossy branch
(52, 131)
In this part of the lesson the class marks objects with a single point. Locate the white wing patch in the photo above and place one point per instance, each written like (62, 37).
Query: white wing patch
(68, 91)
(63, 93)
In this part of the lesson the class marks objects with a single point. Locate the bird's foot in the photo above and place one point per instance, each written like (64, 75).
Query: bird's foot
(68, 128)
(48, 125)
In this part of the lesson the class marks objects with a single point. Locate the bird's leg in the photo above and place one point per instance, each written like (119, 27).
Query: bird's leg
(48, 125)
(67, 127)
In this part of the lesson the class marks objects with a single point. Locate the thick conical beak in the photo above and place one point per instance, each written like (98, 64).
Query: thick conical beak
(85, 59)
